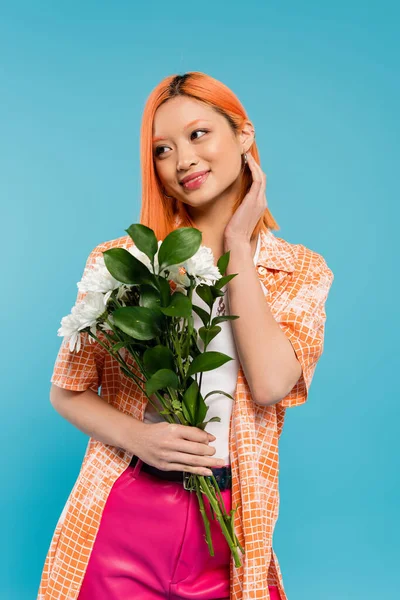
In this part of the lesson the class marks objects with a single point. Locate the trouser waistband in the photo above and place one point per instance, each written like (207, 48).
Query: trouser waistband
(223, 475)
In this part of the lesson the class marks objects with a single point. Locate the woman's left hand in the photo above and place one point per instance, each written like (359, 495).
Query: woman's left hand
(241, 225)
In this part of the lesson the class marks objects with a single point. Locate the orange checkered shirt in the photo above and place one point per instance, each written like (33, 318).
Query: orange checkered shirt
(297, 281)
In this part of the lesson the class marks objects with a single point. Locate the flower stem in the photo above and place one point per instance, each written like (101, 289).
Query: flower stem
(204, 515)
(210, 494)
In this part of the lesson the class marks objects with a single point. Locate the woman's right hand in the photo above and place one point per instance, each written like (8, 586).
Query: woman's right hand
(175, 447)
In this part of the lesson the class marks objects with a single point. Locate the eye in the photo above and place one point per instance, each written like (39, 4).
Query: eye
(203, 130)
(159, 148)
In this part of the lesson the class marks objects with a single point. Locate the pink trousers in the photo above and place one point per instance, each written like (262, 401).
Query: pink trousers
(151, 545)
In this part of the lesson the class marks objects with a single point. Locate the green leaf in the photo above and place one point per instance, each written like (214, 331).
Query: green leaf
(179, 306)
(223, 318)
(149, 296)
(187, 415)
(165, 291)
(161, 379)
(223, 262)
(127, 268)
(202, 409)
(179, 245)
(193, 405)
(120, 345)
(203, 425)
(139, 322)
(176, 404)
(194, 350)
(203, 314)
(158, 357)
(207, 361)
(204, 292)
(219, 392)
(208, 333)
(224, 280)
(216, 292)
(165, 412)
(144, 238)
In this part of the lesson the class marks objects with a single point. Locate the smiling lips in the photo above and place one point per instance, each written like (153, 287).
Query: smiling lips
(195, 182)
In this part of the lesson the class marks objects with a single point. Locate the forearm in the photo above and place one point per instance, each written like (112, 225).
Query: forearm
(265, 353)
(92, 415)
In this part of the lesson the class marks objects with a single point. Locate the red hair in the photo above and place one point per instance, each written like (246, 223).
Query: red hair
(157, 211)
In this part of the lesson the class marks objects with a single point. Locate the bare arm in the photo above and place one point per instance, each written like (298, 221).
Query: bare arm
(269, 362)
(90, 413)
(167, 446)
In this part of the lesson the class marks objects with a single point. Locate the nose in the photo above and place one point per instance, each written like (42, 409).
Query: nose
(185, 162)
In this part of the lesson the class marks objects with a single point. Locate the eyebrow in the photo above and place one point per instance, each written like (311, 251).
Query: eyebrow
(160, 137)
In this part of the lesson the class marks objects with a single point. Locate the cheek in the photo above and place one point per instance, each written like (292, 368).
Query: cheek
(225, 166)
(162, 172)
(222, 157)
(214, 152)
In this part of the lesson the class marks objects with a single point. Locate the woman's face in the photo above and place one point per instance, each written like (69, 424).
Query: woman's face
(182, 147)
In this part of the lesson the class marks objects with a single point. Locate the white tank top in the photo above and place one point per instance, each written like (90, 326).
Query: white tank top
(223, 378)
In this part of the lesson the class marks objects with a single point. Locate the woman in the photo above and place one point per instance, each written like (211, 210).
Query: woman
(130, 529)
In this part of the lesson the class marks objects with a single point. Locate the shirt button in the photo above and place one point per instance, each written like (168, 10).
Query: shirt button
(261, 270)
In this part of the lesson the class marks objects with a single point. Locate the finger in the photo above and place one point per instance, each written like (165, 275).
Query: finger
(254, 165)
(189, 469)
(255, 169)
(195, 434)
(261, 176)
(194, 448)
(193, 460)
(263, 186)
(254, 190)
(260, 173)
(257, 185)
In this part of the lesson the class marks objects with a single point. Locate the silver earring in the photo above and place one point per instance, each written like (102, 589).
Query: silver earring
(245, 157)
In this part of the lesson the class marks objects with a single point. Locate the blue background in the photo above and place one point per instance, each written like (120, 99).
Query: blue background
(320, 81)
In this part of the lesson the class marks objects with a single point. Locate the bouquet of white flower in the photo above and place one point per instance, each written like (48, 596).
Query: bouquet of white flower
(141, 300)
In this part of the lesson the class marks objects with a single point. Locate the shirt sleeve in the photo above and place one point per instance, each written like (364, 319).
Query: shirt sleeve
(81, 370)
(303, 322)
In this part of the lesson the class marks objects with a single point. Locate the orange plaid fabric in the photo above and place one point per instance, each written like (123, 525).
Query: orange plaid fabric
(297, 280)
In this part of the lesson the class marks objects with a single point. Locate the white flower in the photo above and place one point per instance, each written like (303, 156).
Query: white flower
(99, 279)
(122, 290)
(200, 266)
(134, 250)
(106, 326)
(70, 330)
(83, 314)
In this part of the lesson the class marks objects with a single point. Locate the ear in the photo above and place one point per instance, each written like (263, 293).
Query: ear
(247, 136)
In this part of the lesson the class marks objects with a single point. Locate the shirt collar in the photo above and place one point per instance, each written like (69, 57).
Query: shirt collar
(275, 253)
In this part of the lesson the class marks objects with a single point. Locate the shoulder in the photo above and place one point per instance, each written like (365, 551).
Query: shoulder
(125, 241)
(303, 261)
